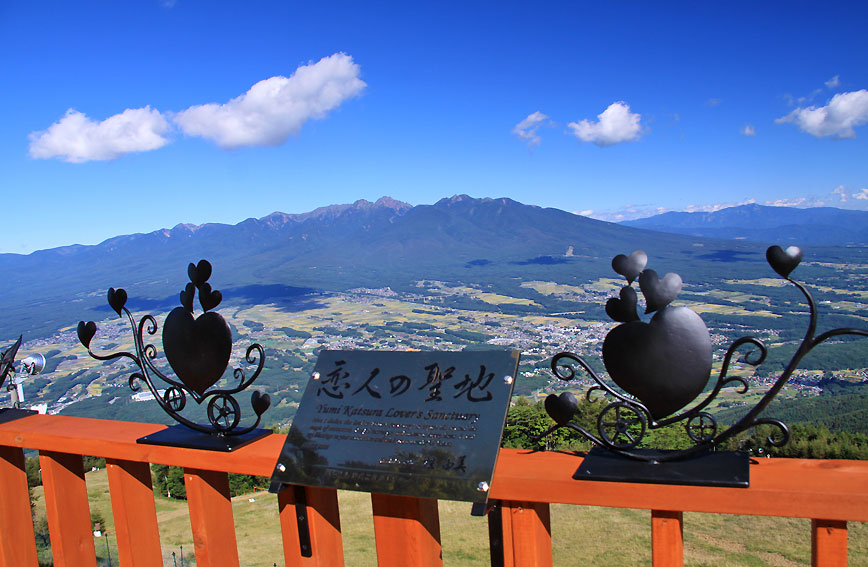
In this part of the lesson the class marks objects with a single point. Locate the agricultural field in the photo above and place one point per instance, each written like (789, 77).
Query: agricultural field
(538, 317)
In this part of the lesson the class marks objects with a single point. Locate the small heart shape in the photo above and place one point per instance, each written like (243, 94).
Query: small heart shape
(259, 402)
(187, 297)
(630, 267)
(623, 310)
(117, 298)
(86, 331)
(659, 293)
(784, 261)
(561, 408)
(200, 273)
(207, 298)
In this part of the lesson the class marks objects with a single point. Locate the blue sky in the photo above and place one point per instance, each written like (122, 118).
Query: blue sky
(123, 117)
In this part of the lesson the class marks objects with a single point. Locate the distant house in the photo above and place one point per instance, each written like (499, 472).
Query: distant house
(145, 396)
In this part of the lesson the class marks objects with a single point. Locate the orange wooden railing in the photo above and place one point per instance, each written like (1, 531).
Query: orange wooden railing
(407, 530)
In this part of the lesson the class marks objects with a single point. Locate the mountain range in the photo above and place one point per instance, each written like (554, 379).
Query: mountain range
(385, 243)
(819, 226)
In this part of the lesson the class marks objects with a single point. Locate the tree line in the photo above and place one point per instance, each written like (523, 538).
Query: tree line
(527, 420)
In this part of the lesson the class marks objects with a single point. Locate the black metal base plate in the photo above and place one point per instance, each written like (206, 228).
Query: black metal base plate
(182, 436)
(11, 414)
(714, 468)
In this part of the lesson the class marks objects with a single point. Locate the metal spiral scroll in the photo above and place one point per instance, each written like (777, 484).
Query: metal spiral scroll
(622, 424)
(223, 410)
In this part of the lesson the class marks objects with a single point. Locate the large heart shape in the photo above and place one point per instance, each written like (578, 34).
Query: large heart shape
(86, 331)
(659, 293)
(623, 309)
(117, 298)
(630, 267)
(784, 261)
(561, 408)
(200, 273)
(665, 363)
(198, 350)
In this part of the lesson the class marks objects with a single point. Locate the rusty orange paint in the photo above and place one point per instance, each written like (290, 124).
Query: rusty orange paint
(135, 514)
(667, 538)
(117, 439)
(835, 491)
(324, 524)
(407, 531)
(18, 542)
(67, 510)
(828, 543)
(797, 488)
(527, 534)
(211, 518)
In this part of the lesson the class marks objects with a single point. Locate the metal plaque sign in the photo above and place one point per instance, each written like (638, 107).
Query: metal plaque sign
(423, 424)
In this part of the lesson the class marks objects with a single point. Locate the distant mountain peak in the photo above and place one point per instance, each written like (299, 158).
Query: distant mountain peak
(825, 226)
(467, 199)
(386, 201)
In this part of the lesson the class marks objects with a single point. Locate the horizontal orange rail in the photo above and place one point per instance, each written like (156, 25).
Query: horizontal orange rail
(407, 530)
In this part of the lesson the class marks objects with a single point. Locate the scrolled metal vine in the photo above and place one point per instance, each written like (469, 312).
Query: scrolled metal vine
(198, 350)
(622, 423)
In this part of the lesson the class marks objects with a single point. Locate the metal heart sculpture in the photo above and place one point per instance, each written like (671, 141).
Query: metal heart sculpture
(664, 363)
(198, 350)
(630, 266)
(784, 261)
(117, 299)
(623, 308)
(659, 292)
(86, 331)
(562, 407)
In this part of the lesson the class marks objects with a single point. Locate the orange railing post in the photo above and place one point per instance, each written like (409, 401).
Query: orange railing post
(17, 540)
(407, 531)
(527, 534)
(211, 518)
(324, 524)
(134, 512)
(667, 538)
(828, 543)
(67, 510)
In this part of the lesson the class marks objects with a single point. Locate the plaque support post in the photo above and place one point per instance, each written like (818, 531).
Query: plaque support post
(495, 533)
(301, 519)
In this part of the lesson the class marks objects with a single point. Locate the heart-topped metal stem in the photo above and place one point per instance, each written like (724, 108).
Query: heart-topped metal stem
(637, 405)
(186, 338)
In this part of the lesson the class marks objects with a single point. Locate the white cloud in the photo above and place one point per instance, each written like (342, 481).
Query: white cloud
(526, 130)
(840, 197)
(76, 138)
(748, 130)
(794, 202)
(627, 212)
(841, 193)
(714, 207)
(833, 82)
(712, 102)
(837, 119)
(275, 108)
(616, 124)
